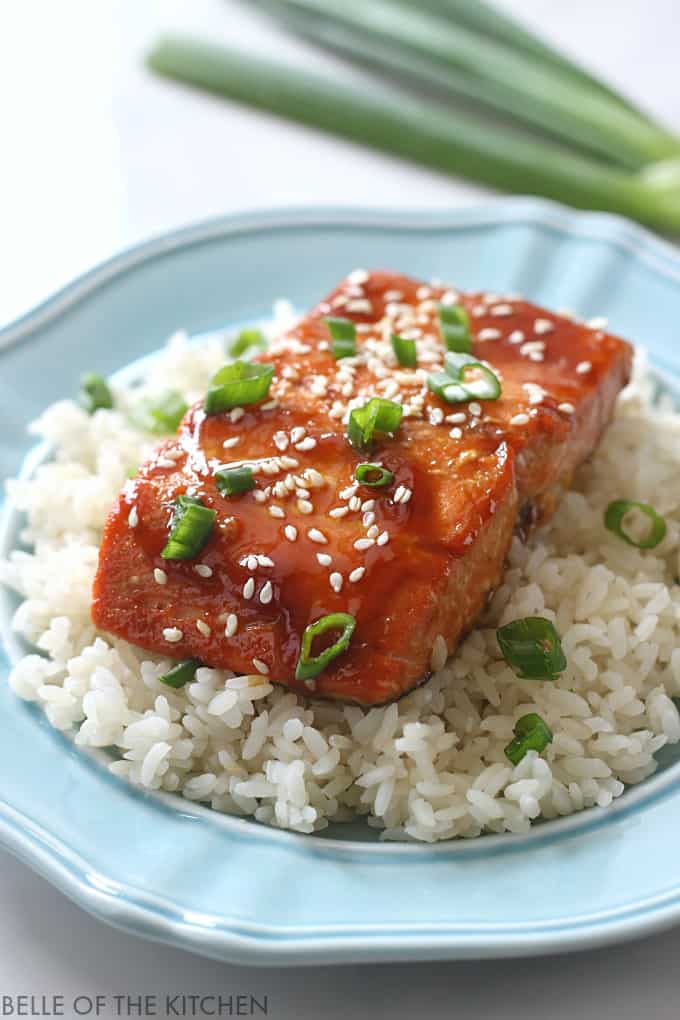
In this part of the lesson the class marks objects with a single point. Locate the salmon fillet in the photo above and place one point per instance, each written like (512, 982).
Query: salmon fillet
(414, 562)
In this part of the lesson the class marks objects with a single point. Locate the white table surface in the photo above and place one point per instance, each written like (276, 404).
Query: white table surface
(97, 155)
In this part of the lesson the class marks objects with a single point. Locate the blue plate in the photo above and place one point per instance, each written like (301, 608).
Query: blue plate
(233, 889)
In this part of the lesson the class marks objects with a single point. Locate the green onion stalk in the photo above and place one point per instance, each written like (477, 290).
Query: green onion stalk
(424, 131)
(439, 53)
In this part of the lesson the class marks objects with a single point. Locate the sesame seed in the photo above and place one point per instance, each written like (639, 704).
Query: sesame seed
(368, 519)
(436, 416)
(359, 305)
(297, 434)
(501, 310)
(264, 561)
(335, 581)
(133, 518)
(281, 441)
(261, 667)
(383, 538)
(398, 493)
(307, 444)
(236, 414)
(354, 503)
(232, 625)
(566, 407)
(259, 496)
(458, 418)
(165, 462)
(519, 419)
(324, 559)
(475, 409)
(160, 577)
(304, 506)
(203, 570)
(266, 593)
(290, 532)
(583, 367)
(489, 334)
(368, 504)
(348, 492)
(357, 574)
(338, 511)
(249, 588)
(228, 443)
(542, 326)
(276, 511)
(314, 535)
(358, 276)
(517, 337)
(536, 356)
(271, 405)
(288, 462)
(456, 433)
(363, 543)
(302, 493)
(598, 322)
(203, 627)
(373, 531)
(173, 634)
(249, 561)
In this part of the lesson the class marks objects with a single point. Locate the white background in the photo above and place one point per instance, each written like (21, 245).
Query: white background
(96, 155)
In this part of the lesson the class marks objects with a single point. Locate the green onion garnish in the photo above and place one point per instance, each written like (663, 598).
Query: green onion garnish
(532, 647)
(160, 415)
(189, 529)
(309, 665)
(614, 516)
(373, 475)
(94, 393)
(181, 674)
(235, 385)
(376, 415)
(231, 481)
(405, 351)
(344, 335)
(531, 734)
(246, 339)
(398, 121)
(451, 386)
(454, 323)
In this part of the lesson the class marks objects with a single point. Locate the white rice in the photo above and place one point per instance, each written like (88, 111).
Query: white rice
(429, 767)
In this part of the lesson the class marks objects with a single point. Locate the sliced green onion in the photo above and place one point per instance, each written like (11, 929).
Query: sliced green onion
(614, 516)
(454, 323)
(190, 529)
(238, 384)
(160, 415)
(532, 647)
(246, 339)
(451, 386)
(94, 393)
(373, 475)
(231, 481)
(424, 130)
(531, 734)
(308, 665)
(344, 336)
(376, 415)
(405, 351)
(181, 674)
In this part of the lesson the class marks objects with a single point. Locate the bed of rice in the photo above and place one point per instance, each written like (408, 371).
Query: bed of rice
(429, 767)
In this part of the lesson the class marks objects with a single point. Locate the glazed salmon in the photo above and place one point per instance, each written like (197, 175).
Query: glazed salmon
(412, 563)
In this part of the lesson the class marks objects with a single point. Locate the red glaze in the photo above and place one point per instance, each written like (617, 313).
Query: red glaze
(447, 544)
